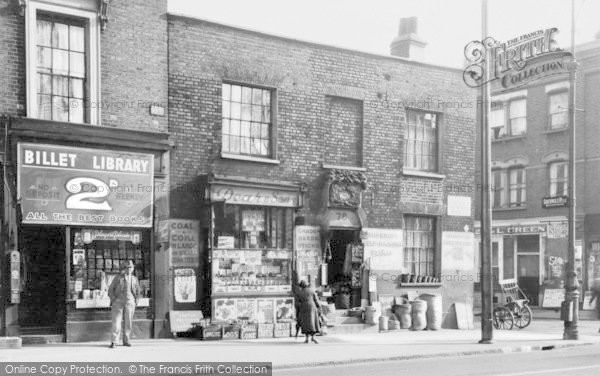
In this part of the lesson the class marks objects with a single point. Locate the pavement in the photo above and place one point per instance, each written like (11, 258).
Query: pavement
(542, 334)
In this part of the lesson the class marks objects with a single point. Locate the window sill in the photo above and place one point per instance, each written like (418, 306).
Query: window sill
(558, 130)
(509, 138)
(516, 208)
(248, 158)
(423, 174)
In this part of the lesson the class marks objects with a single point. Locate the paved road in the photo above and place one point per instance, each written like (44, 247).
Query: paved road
(576, 361)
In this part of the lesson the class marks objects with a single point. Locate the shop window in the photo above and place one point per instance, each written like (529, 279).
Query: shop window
(517, 194)
(419, 248)
(62, 64)
(421, 141)
(246, 120)
(97, 256)
(559, 178)
(495, 263)
(528, 244)
(248, 227)
(558, 114)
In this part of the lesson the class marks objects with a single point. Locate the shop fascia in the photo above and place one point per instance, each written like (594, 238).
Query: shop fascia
(516, 229)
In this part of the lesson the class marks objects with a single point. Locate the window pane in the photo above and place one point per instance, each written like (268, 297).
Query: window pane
(226, 88)
(77, 64)
(60, 108)
(264, 133)
(497, 118)
(45, 107)
(257, 96)
(245, 145)
(246, 95)
(44, 33)
(517, 126)
(236, 110)
(76, 110)
(225, 139)
(256, 113)
(226, 129)
(518, 108)
(234, 145)
(235, 127)
(60, 36)
(245, 129)
(255, 145)
(76, 88)
(266, 98)
(44, 83)
(44, 59)
(236, 93)
(60, 86)
(60, 62)
(264, 147)
(255, 130)
(246, 112)
(226, 109)
(77, 42)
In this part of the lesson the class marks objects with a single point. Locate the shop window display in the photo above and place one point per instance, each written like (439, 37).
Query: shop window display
(97, 256)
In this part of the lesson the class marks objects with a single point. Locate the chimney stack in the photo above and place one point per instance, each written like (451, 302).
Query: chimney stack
(407, 44)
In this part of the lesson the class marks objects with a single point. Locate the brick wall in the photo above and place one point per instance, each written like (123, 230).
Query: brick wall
(306, 78)
(133, 63)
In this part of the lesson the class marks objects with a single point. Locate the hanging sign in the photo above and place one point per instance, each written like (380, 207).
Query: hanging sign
(67, 185)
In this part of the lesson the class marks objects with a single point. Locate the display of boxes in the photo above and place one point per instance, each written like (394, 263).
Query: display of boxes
(265, 330)
(282, 329)
(211, 332)
(249, 331)
(231, 331)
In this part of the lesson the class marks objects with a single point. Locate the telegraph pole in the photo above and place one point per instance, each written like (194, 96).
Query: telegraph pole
(487, 329)
(571, 306)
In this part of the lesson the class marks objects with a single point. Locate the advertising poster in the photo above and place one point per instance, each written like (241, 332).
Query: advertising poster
(265, 310)
(284, 309)
(246, 308)
(184, 239)
(79, 186)
(225, 309)
(383, 247)
(184, 284)
(458, 250)
(307, 243)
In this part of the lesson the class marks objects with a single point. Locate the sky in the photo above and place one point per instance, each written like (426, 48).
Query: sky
(447, 25)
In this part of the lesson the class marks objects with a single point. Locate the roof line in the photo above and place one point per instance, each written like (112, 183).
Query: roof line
(312, 43)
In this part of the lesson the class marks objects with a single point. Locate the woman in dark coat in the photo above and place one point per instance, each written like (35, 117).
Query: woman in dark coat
(307, 309)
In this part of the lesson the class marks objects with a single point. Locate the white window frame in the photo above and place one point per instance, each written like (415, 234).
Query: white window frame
(503, 187)
(552, 183)
(92, 51)
(515, 186)
(550, 113)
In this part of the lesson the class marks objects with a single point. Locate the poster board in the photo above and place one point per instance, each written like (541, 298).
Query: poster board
(464, 316)
(553, 298)
(458, 250)
(587, 297)
(181, 321)
(307, 243)
(384, 248)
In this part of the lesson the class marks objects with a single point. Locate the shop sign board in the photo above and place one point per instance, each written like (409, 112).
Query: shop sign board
(383, 247)
(553, 298)
(63, 185)
(254, 196)
(557, 230)
(555, 202)
(184, 240)
(459, 206)
(516, 229)
(458, 250)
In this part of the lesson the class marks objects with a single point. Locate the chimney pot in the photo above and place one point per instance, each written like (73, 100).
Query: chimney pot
(408, 44)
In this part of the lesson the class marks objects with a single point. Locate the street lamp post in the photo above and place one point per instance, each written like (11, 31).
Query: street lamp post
(487, 329)
(571, 304)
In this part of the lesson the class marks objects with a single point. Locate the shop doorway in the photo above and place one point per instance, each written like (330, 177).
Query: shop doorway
(528, 266)
(339, 274)
(42, 307)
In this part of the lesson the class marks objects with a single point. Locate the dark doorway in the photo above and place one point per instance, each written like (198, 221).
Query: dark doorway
(42, 308)
(337, 276)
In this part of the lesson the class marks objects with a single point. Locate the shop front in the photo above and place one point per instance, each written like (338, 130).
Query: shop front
(84, 212)
(251, 250)
(532, 251)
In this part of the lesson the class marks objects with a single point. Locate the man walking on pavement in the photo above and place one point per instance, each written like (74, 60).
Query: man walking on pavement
(123, 293)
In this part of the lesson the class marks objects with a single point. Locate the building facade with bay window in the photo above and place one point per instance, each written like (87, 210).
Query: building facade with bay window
(85, 163)
(306, 161)
(530, 158)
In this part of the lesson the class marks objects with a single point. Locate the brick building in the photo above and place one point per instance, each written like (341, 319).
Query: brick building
(275, 136)
(82, 154)
(530, 152)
